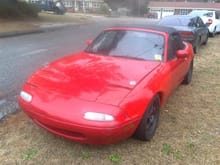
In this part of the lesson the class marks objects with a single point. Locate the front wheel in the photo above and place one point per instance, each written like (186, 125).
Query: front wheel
(149, 121)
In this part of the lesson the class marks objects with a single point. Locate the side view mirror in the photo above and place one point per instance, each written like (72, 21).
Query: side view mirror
(89, 42)
(181, 54)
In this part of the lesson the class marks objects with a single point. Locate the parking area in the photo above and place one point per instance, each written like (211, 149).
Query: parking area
(188, 133)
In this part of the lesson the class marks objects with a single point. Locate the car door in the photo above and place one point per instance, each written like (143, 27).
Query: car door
(177, 67)
(201, 29)
(217, 18)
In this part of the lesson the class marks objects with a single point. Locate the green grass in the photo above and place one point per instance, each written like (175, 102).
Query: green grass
(29, 154)
(115, 158)
(166, 149)
(85, 155)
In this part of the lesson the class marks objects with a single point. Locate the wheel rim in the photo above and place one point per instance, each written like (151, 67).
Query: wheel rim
(152, 117)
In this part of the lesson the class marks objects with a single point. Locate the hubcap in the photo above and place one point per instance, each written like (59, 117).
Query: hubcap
(152, 117)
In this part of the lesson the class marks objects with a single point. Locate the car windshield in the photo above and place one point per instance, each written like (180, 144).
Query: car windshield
(180, 21)
(128, 44)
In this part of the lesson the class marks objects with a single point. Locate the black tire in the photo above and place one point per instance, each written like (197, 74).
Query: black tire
(149, 121)
(213, 33)
(197, 46)
(188, 77)
(57, 11)
(206, 40)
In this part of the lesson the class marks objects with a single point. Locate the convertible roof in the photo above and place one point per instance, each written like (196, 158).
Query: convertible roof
(165, 29)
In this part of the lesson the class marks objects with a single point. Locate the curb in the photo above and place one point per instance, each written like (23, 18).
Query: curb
(40, 30)
(17, 33)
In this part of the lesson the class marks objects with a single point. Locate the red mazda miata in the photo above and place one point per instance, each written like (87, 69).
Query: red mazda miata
(113, 89)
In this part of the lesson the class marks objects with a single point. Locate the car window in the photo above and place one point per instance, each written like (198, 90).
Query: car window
(175, 43)
(216, 15)
(192, 22)
(200, 22)
(208, 14)
(129, 44)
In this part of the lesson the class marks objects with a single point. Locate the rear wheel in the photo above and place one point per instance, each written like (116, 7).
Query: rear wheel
(188, 77)
(197, 46)
(206, 40)
(57, 11)
(213, 33)
(149, 121)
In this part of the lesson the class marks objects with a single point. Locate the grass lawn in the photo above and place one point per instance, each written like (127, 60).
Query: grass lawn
(43, 18)
(188, 133)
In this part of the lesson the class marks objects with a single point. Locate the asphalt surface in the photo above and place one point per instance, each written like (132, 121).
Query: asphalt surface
(20, 56)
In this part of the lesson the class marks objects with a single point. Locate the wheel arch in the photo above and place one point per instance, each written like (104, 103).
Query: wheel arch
(161, 96)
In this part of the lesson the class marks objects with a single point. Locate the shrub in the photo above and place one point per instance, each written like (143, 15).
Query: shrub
(30, 10)
(16, 10)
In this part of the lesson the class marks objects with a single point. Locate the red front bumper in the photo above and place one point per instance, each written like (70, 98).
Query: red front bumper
(80, 133)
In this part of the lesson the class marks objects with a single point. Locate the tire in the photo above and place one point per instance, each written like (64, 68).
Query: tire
(197, 46)
(206, 40)
(149, 121)
(188, 77)
(213, 33)
(57, 11)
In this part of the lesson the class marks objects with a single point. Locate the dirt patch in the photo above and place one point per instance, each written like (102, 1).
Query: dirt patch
(11, 26)
(67, 18)
(188, 133)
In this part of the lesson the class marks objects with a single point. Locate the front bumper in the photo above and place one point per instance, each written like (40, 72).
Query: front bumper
(82, 133)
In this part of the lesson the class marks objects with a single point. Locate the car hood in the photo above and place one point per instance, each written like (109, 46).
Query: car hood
(93, 77)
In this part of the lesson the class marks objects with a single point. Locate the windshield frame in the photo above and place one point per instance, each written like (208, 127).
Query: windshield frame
(156, 33)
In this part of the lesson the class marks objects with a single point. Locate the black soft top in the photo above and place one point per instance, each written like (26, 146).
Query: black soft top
(165, 29)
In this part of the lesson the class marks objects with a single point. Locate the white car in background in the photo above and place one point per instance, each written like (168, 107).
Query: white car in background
(210, 18)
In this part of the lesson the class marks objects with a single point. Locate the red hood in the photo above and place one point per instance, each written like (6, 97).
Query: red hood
(93, 77)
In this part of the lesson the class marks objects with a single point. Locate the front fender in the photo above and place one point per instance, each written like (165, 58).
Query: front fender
(137, 101)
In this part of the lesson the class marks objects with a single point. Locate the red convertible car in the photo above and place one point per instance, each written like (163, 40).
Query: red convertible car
(113, 89)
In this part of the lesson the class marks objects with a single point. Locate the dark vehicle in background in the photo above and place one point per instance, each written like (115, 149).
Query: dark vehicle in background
(55, 6)
(191, 28)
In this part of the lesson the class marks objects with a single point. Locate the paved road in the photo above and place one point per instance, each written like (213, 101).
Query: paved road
(20, 56)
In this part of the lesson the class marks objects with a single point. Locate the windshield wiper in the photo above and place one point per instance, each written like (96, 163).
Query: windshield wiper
(130, 57)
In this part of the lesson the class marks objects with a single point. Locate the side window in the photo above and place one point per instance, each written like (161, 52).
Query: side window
(200, 22)
(175, 43)
(192, 23)
(216, 15)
